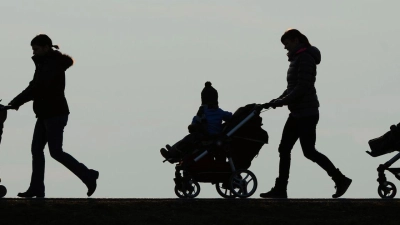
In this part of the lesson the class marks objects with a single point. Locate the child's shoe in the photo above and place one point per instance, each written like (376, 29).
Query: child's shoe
(165, 153)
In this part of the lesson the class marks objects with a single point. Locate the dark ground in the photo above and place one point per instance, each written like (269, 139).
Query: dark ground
(199, 211)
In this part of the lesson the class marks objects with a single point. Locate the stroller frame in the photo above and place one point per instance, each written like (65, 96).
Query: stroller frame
(237, 186)
(387, 189)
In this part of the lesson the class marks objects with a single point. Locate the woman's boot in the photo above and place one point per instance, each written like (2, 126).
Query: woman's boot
(279, 191)
(342, 183)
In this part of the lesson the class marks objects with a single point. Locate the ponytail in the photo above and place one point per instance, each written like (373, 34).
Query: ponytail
(43, 40)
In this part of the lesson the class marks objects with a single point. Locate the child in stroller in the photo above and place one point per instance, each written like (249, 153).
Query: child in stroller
(223, 160)
(207, 123)
(387, 143)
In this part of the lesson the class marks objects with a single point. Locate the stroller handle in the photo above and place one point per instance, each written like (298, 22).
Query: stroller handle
(4, 108)
(264, 106)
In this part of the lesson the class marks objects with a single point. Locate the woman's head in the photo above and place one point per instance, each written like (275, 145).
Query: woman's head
(42, 44)
(292, 37)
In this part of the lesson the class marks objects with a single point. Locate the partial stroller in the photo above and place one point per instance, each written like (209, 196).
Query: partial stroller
(224, 160)
(387, 143)
(3, 117)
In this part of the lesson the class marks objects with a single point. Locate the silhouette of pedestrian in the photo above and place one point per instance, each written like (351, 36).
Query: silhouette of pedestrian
(302, 101)
(46, 90)
(3, 117)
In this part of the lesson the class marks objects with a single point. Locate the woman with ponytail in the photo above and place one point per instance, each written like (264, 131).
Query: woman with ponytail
(301, 98)
(46, 90)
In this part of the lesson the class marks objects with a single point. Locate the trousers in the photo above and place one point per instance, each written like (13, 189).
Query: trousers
(50, 131)
(303, 128)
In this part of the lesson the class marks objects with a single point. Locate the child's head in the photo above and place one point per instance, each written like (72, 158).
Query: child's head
(209, 96)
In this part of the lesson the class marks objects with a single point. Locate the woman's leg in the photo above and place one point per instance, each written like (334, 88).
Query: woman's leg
(38, 162)
(307, 140)
(289, 138)
(55, 130)
(307, 131)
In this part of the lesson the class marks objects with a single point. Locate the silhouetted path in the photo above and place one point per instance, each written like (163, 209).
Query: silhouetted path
(199, 211)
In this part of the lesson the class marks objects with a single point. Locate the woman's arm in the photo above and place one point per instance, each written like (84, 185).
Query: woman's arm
(305, 79)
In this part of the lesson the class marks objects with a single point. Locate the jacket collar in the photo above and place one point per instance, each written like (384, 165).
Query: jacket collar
(299, 49)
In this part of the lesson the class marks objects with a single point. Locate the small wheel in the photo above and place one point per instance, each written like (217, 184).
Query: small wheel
(191, 189)
(3, 191)
(179, 192)
(224, 192)
(243, 183)
(387, 190)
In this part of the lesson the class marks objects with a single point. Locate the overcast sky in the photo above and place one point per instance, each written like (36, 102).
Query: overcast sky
(140, 67)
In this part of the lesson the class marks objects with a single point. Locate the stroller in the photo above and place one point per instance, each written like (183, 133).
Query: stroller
(387, 143)
(3, 117)
(224, 160)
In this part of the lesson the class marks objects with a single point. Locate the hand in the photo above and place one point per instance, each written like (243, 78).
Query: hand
(9, 106)
(192, 128)
(264, 106)
(274, 103)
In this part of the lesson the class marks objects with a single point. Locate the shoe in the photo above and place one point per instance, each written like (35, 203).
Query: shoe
(30, 194)
(165, 153)
(342, 184)
(173, 152)
(274, 193)
(278, 191)
(91, 183)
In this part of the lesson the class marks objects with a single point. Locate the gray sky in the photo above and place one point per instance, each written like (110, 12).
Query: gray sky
(141, 65)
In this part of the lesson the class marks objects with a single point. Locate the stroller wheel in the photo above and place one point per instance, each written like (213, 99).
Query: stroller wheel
(3, 191)
(224, 192)
(191, 188)
(243, 183)
(179, 192)
(387, 190)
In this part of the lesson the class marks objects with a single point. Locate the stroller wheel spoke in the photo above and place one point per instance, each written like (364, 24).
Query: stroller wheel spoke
(245, 191)
(249, 181)
(246, 177)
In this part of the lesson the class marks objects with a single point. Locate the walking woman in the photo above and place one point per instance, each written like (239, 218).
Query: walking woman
(46, 90)
(302, 101)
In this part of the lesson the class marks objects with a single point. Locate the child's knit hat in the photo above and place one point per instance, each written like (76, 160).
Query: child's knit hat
(209, 95)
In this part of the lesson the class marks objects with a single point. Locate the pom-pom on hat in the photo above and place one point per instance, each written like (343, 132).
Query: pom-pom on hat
(209, 95)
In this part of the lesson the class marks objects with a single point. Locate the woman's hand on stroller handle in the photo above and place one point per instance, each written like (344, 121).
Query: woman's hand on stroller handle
(264, 106)
(260, 107)
(6, 107)
(274, 103)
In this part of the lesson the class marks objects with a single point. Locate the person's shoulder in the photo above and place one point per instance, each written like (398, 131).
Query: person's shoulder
(312, 53)
(223, 111)
(61, 59)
